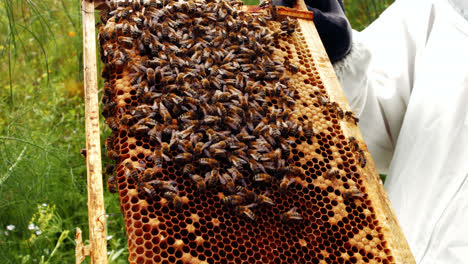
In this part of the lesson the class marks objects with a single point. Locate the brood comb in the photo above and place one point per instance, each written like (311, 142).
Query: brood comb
(232, 143)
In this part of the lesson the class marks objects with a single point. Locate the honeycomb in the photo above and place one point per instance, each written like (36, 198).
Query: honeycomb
(228, 146)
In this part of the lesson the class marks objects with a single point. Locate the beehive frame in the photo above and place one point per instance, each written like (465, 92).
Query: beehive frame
(192, 236)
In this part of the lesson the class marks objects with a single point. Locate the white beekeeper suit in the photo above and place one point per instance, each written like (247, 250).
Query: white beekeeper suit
(407, 79)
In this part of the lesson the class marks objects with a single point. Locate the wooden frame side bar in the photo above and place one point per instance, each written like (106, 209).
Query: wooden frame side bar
(96, 214)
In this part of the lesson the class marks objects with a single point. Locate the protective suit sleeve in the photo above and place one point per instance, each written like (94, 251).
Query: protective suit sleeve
(377, 76)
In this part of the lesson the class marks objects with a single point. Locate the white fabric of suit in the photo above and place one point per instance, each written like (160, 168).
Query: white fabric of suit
(407, 79)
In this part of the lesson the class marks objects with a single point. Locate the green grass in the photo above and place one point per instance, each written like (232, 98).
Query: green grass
(42, 174)
(362, 12)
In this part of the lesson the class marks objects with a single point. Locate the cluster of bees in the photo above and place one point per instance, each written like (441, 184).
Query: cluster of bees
(212, 97)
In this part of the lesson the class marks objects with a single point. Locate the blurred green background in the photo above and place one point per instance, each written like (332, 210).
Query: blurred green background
(42, 174)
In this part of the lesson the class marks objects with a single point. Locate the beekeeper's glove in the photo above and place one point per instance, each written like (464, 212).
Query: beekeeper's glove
(331, 23)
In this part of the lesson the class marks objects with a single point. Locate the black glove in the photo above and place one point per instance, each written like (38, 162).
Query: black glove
(331, 23)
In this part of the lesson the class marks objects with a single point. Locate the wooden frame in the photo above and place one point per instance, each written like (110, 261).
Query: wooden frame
(385, 214)
(96, 214)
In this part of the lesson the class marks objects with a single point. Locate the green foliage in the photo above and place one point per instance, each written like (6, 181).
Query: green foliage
(42, 175)
(362, 12)
(41, 134)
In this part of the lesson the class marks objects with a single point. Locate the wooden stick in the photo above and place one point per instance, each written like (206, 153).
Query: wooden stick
(96, 215)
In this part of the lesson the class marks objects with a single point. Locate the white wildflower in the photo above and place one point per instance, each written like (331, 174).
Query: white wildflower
(10, 227)
(110, 237)
(38, 232)
(32, 226)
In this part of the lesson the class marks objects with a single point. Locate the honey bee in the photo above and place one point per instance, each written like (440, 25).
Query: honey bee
(103, 34)
(232, 200)
(354, 144)
(291, 67)
(309, 130)
(285, 182)
(228, 183)
(112, 184)
(126, 28)
(263, 199)
(323, 100)
(104, 15)
(131, 171)
(142, 87)
(291, 215)
(331, 173)
(139, 129)
(166, 147)
(212, 177)
(215, 137)
(188, 169)
(184, 158)
(149, 191)
(148, 174)
(259, 129)
(126, 119)
(263, 177)
(83, 153)
(174, 199)
(199, 147)
(109, 52)
(244, 136)
(256, 155)
(221, 96)
(348, 115)
(165, 29)
(234, 123)
(157, 158)
(290, 26)
(127, 42)
(292, 170)
(199, 181)
(110, 169)
(256, 167)
(211, 120)
(150, 76)
(244, 210)
(362, 159)
(209, 162)
(286, 150)
(146, 38)
(166, 116)
(135, 32)
(354, 194)
(112, 123)
(185, 117)
(164, 186)
(112, 154)
(272, 156)
(154, 134)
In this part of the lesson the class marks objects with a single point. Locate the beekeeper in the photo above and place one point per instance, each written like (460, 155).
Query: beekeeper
(406, 77)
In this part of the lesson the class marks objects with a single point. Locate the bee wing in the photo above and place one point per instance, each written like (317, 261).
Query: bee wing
(147, 190)
(222, 179)
(207, 144)
(291, 181)
(141, 165)
(165, 157)
(252, 205)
